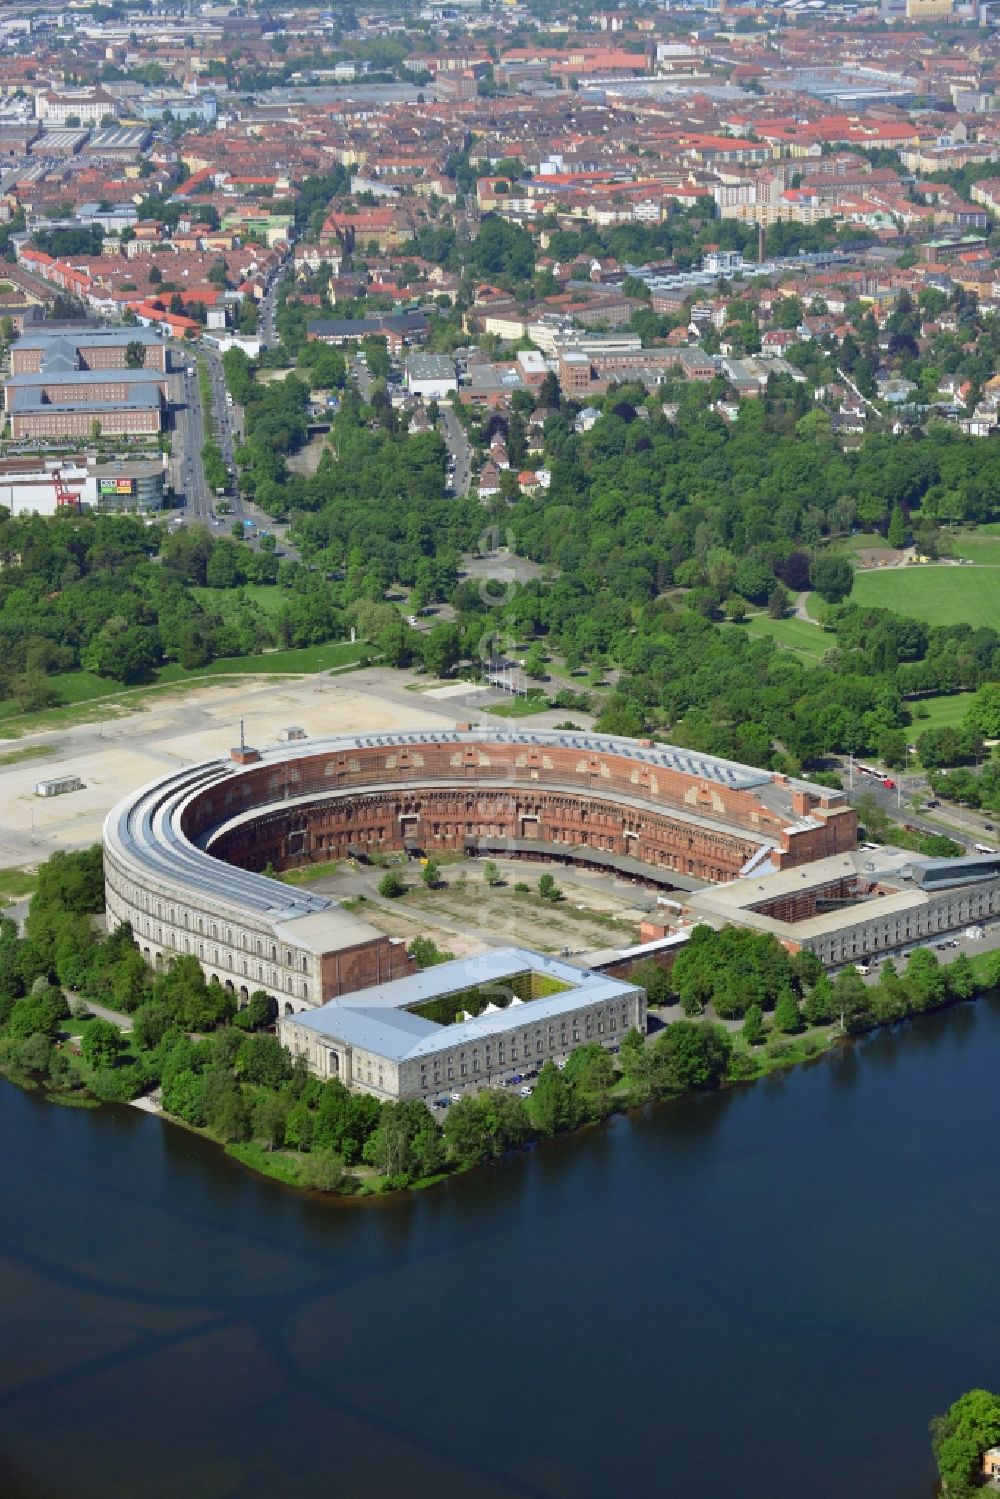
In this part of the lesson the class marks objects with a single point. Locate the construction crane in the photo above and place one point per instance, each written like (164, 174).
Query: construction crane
(64, 495)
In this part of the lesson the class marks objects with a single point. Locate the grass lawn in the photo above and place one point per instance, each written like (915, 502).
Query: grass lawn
(16, 883)
(82, 692)
(793, 634)
(520, 707)
(310, 872)
(27, 752)
(308, 658)
(942, 712)
(267, 595)
(939, 595)
(980, 546)
(865, 541)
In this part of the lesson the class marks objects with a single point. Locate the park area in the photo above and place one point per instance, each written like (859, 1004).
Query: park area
(806, 640)
(938, 593)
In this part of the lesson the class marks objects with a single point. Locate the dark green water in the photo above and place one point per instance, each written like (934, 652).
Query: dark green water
(762, 1294)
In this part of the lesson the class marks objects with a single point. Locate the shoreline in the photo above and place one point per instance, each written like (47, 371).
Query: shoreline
(282, 1167)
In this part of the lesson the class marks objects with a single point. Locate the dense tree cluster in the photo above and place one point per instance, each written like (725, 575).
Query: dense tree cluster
(113, 595)
(743, 974)
(960, 1437)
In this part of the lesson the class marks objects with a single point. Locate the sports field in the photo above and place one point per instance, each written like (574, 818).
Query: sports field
(939, 594)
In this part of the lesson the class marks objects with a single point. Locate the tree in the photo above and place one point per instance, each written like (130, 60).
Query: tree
(534, 663)
(550, 392)
(831, 576)
(322, 1170)
(961, 978)
(128, 653)
(851, 1000)
(778, 601)
(753, 1026)
(649, 975)
(430, 873)
(786, 1014)
(896, 534)
(552, 1105)
(590, 1068)
(135, 354)
(34, 1053)
(405, 1144)
(427, 954)
(102, 1044)
(925, 980)
(442, 649)
(983, 714)
(391, 885)
(694, 1054)
(548, 889)
(225, 1107)
(270, 1114)
(491, 873)
(959, 1438)
(264, 1061)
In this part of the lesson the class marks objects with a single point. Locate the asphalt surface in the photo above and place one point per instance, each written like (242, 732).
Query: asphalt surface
(458, 446)
(958, 823)
(267, 329)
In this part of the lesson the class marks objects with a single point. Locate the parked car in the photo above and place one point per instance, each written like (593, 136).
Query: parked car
(455, 1098)
(526, 1091)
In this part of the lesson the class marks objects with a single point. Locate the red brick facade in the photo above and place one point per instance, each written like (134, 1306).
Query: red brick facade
(546, 800)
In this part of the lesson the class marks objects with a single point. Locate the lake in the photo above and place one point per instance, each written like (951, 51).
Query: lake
(764, 1293)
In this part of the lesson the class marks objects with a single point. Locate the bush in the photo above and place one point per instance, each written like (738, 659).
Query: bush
(34, 1053)
(118, 1084)
(322, 1171)
(392, 885)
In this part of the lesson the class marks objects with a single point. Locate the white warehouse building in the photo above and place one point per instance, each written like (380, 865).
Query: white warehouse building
(431, 377)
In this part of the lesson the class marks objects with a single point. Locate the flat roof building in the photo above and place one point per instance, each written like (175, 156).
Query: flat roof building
(858, 904)
(431, 377)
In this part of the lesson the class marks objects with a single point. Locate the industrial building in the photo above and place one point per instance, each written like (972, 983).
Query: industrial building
(34, 486)
(62, 382)
(472, 1023)
(431, 377)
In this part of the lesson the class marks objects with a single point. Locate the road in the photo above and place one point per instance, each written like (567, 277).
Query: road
(267, 328)
(191, 430)
(959, 823)
(458, 446)
(188, 440)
